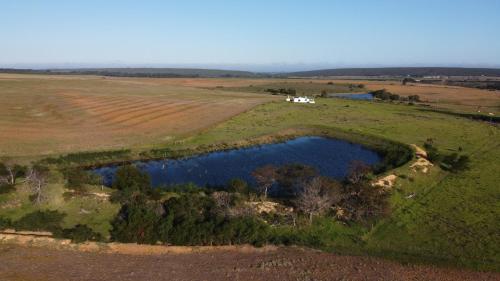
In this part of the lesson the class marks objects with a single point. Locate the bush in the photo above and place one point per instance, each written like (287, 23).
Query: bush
(190, 219)
(364, 202)
(130, 182)
(41, 221)
(451, 162)
(394, 156)
(432, 153)
(414, 98)
(238, 185)
(6, 188)
(243, 230)
(384, 95)
(77, 178)
(5, 223)
(81, 233)
(131, 178)
(136, 223)
(455, 163)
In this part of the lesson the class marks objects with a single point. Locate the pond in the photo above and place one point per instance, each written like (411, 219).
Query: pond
(364, 96)
(330, 157)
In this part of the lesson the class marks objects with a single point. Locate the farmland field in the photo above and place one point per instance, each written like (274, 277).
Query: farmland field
(437, 217)
(449, 97)
(43, 115)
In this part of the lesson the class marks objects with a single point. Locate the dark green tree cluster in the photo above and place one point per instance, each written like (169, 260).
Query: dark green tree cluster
(190, 219)
(51, 221)
(130, 182)
(393, 156)
(453, 162)
(282, 91)
(385, 95)
(77, 179)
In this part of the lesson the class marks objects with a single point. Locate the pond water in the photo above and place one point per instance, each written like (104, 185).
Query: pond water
(330, 157)
(365, 96)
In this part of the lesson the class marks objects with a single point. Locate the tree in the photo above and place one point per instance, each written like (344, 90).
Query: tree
(370, 202)
(41, 221)
(314, 198)
(10, 172)
(364, 202)
(265, 177)
(357, 171)
(291, 177)
(130, 182)
(37, 180)
(130, 177)
(136, 223)
(81, 233)
(237, 185)
(223, 200)
(76, 178)
(455, 162)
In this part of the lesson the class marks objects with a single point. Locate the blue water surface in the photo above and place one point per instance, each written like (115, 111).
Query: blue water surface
(330, 157)
(366, 96)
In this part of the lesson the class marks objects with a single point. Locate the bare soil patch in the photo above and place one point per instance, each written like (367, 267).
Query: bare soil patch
(25, 263)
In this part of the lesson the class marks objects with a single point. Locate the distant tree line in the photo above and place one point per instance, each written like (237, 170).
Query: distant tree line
(386, 95)
(282, 91)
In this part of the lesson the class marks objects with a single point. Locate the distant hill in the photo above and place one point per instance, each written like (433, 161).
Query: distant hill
(400, 71)
(208, 73)
(141, 72)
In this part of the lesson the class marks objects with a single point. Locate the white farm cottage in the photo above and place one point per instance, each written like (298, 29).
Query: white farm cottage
(300, 99)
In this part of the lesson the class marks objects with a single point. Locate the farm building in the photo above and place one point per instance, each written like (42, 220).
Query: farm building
(300, 99)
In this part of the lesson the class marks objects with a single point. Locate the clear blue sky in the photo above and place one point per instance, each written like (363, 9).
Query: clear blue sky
(311, 33)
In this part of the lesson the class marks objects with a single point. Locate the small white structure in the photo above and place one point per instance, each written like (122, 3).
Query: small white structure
(300, 99)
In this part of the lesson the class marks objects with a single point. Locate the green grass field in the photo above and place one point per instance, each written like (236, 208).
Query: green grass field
(451, 219)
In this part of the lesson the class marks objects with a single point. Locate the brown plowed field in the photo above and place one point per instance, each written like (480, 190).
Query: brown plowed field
(32, 263)
(450, 97)
(56, 114)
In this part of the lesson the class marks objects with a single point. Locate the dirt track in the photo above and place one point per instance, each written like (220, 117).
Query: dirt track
(24, 263)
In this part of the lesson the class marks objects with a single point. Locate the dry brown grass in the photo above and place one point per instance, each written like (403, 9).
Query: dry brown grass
(49, 114)
(41, 115)
(459, 98)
